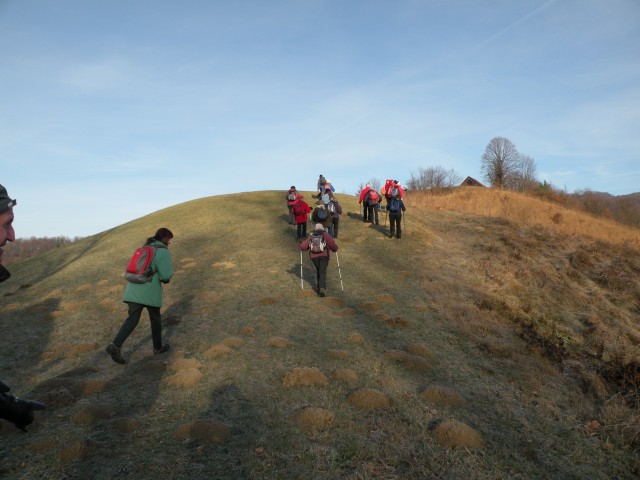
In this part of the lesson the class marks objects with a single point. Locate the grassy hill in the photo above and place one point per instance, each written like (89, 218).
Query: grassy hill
(481, 345)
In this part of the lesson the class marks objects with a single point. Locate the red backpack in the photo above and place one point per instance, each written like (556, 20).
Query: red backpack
(140, 269)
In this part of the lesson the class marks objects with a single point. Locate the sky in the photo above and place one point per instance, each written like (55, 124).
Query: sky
(113, 110)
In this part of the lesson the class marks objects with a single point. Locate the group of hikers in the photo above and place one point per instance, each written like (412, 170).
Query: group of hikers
(326, 217)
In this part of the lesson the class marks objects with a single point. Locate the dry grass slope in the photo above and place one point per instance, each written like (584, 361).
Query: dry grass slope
(498, 339)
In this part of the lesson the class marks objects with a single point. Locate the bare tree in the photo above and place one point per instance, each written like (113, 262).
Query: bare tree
(525, 177)
(433, 178)
(374, 182)
(500, 162)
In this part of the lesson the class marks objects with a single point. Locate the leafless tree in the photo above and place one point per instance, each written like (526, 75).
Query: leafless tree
(374, 182)
(525, 178)
(433, 178)
(500, 162)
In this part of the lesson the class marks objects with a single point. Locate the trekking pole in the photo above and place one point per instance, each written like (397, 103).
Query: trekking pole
(301, 283)
(404, 222)
(339, 272)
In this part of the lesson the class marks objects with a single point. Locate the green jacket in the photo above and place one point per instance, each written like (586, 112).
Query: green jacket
(150, 293)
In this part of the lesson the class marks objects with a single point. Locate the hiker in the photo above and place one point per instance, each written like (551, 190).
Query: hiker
(301, 210)
(371, 205)
(319, 243)
(7, 233)
(395, 208)
(139, 296)
(321, 183)
(322, 216)
(292, 198)
(335, 210)
(363, 194)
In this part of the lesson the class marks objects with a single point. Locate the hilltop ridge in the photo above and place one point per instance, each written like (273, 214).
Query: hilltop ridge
(474, 347)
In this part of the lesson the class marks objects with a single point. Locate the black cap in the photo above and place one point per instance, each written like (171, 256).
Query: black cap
(5, 202)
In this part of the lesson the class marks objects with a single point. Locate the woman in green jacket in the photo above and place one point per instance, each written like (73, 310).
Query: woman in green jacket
(147, 295)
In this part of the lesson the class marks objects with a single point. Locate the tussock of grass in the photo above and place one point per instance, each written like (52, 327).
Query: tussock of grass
(497, 339)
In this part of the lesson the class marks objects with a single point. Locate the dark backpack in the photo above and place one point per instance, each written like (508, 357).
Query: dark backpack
(394, 205)
(322, 214)
(291, 196)
(140, 269)
(317, 243)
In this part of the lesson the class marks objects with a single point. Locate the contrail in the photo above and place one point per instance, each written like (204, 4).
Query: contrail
(333, 134)
(514, 24)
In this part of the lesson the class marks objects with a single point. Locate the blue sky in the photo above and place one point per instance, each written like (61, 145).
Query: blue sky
(111, 110)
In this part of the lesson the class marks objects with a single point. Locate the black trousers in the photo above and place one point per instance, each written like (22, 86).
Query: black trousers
(129, 325)
(302, 230)
(365, 212)
(321, 264)
(333, 229)
(395, 221)
(372, 210)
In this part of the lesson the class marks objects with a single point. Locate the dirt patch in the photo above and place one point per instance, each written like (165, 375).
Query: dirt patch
(453, 433)
(89, 387)
(187, 260)
(369, 398)
(92, 413)
(307, 293)
(339, 354)
(397, 322)
(346, 312)
(57, 398)
(441, 395)
(345, 375)
(232, 342)
(370, 306)
(218, 350)
(74, 350)
(422, 308)
(184, 364)
(420, 350)
(125, 425)
(313, 418)
(278, 342)
(78, 451)
(268, 301)
(248, 331)
(305, 376)
(208, 431)
(102, 283)
(186, 378)
(384, 298)
(415, 362)
(355, 338)
(224, 265)
(84, 287)
(334, 301)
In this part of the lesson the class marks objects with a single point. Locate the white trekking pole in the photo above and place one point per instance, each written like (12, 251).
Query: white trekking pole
(301, 283)
(339, 272)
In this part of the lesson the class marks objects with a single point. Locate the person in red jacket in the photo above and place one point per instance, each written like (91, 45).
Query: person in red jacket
(301, 210)
(363, 194)
(319, 243)
(292, 197)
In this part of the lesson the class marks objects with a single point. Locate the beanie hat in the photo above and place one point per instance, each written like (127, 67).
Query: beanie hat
(319, 226)
(5, 202)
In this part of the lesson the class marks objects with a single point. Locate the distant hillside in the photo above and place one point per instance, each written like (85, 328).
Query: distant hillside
(497, 339)
(25, 248)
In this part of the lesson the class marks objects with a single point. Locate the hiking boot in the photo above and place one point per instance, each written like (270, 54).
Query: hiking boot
(391, 235)
(116, 356)
(322, 293)
(164, 348)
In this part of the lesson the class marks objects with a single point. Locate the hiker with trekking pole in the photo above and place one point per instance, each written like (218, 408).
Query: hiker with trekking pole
(318, 244)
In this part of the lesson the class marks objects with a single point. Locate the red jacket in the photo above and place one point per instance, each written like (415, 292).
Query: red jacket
(331, 245)
(363, 194)
(301, 206)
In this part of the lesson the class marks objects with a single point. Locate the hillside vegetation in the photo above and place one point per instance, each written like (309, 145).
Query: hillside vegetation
(497, 339)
